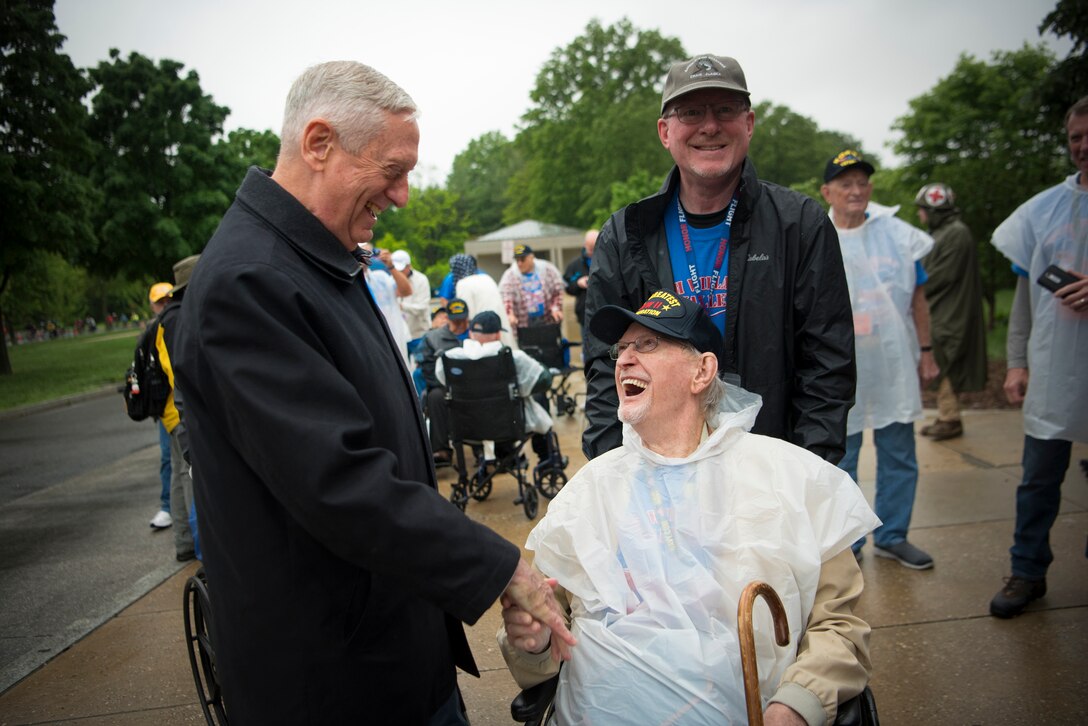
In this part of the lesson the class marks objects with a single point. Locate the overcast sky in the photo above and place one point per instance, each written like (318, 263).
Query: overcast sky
(852, 65)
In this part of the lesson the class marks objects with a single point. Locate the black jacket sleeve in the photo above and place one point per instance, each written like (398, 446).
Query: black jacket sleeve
(824, 374)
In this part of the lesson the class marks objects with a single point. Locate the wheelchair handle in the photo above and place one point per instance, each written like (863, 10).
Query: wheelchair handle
(746, 633)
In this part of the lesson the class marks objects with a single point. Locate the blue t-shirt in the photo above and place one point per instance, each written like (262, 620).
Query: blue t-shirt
(532, 293)
(705, 244)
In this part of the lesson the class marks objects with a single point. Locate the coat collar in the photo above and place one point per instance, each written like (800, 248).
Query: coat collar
(296, 225)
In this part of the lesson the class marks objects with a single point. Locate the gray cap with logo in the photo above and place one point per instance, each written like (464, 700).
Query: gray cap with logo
(703, 71)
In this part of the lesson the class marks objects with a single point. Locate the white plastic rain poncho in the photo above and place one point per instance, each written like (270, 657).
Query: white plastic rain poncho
(879, 258)
(1051, 228)
(655, 553)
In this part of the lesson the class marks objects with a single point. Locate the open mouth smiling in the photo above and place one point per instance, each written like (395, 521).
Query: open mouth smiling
(633, 387)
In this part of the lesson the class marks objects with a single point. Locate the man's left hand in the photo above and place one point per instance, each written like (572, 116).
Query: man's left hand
(928, 370)
(778, 714)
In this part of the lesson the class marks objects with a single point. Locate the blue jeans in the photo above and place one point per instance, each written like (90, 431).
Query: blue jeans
(165, 471)
(1037, 500)
(896, 480)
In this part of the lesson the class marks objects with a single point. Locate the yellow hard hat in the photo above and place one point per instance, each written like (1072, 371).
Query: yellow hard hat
(158, 291)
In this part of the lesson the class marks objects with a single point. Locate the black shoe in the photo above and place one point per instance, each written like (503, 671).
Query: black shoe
(186, 556)
(905, 554)
(1015, 596)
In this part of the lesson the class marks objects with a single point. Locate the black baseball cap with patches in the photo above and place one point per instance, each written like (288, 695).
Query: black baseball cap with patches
(845, 160)
(663, 312)
(522, 250)
(457, 309)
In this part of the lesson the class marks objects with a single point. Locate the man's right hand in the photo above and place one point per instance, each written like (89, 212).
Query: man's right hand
(531, 596)
(1016, 385)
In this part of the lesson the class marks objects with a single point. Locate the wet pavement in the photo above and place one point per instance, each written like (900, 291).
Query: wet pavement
(939, 657)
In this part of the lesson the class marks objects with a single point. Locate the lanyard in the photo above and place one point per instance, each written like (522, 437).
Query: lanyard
(719, 259)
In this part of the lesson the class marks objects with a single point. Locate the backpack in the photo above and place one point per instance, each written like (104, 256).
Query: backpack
(146, 386)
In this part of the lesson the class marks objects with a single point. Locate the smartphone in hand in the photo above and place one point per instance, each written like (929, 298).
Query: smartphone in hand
(1055, 278)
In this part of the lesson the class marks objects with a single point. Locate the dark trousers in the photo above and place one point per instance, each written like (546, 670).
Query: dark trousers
(1037, 501)
(439, 415)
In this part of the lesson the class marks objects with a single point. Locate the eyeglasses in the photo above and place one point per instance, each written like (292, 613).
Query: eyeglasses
(647, 344)
(696, 114)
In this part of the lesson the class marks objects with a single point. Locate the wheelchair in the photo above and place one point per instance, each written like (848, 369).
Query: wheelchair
(485, 405)
(545, 344)
(196, 608)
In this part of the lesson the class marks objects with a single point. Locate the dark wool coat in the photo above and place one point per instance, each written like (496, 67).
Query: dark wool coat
(339, 576)
(789, 332)
(954, 294)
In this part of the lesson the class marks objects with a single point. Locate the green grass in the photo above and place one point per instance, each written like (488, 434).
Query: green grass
(55, 368)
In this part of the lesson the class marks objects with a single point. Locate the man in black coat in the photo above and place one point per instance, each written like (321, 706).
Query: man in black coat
(339, 576)
(762, 260)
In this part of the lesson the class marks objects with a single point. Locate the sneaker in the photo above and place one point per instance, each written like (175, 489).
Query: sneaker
(161, 520)
(1015, 596)
(905, 554)
(941, 430)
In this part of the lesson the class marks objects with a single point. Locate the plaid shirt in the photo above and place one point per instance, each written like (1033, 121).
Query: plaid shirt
(514, 299)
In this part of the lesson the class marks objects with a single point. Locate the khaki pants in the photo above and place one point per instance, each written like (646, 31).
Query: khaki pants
(948, 402)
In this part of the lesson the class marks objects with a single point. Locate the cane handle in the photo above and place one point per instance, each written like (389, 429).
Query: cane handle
(748, 642)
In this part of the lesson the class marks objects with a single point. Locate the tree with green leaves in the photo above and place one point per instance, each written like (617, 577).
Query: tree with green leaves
(1068, 79)
(157, 166)
(430, 228)
(241, 149)
(982, 131)
(479, 178)
(788, 148)
(592, 123)
(45, 200)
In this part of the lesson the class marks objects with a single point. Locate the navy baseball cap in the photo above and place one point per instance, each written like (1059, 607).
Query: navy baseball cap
(663, 312)
(487, 322)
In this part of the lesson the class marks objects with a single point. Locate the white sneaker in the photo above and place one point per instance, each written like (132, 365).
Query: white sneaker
(162, 520)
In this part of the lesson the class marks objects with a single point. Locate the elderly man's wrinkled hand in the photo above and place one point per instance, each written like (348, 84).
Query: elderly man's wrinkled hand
(532, 593)
(522, 631)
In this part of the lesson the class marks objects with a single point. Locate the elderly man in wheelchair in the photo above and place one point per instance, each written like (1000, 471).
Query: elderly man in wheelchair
(651, 545)
(490, 401)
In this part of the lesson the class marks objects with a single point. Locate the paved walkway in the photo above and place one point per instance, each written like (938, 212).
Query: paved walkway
(939, 657)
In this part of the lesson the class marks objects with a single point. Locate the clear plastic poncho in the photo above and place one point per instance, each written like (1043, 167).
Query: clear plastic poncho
(655, 553)
(1051, 228)
(879, 259)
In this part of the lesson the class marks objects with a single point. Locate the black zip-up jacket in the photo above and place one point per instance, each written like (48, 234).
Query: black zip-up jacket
(338, 572)
(789, 332)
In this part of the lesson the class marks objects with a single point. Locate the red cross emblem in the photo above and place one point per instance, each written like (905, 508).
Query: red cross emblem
(936, 196)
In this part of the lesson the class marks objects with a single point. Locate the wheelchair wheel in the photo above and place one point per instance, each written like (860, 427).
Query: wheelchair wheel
(529, 501)
(196, 607)
(459, 496)
(480, 486)
(551, 481)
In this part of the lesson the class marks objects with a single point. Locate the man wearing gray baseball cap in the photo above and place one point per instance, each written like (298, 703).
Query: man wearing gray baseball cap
(763, 261)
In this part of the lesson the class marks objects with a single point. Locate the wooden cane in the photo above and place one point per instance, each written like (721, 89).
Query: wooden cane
(748, 642)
